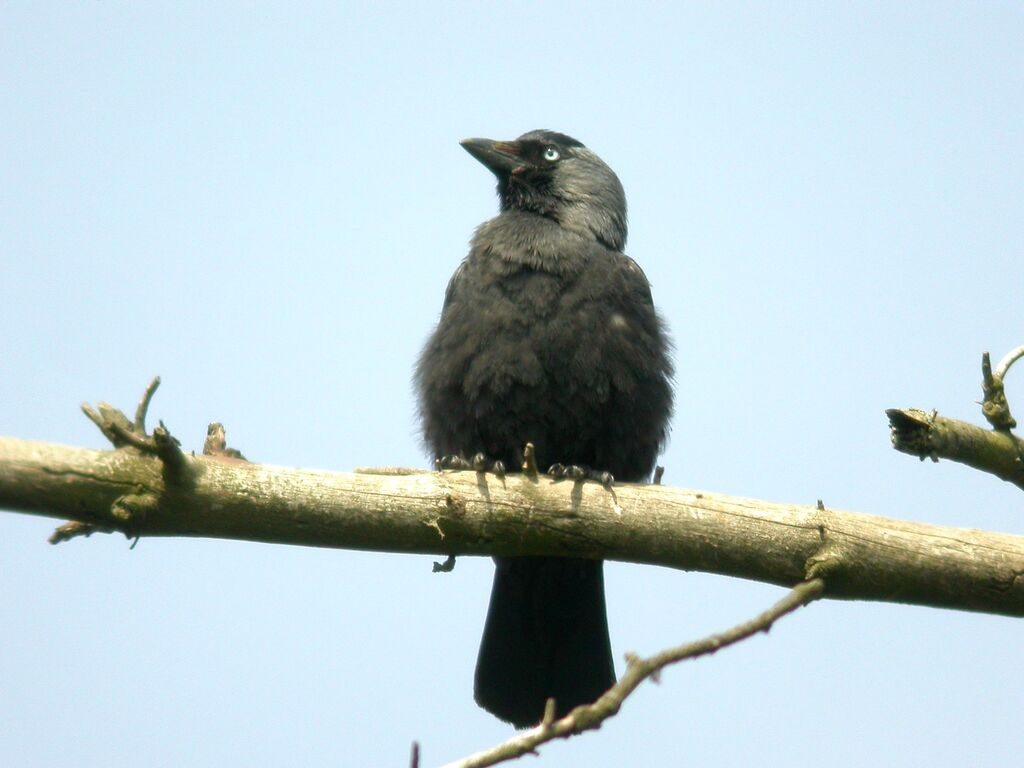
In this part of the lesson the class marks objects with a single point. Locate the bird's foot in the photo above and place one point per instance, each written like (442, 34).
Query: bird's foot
(479, 463)
(577, 473)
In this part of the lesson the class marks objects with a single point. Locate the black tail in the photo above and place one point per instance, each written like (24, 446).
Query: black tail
(546, 636)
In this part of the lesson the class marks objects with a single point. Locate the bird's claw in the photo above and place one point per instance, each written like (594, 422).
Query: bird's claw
(577, 473)
(479, 463)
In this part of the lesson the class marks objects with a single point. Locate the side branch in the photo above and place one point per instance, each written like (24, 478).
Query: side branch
(590, 716)
(928, 435)
(998, 452)
(467, 513)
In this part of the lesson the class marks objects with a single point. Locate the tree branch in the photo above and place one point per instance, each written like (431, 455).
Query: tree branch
(928, 435)
(148, 486)
(590, 716)
(997, 451)
(467, 513)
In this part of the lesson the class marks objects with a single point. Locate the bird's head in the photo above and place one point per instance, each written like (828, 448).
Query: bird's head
(554, 175)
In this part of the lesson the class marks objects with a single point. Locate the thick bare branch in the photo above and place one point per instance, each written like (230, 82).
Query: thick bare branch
(466, 513)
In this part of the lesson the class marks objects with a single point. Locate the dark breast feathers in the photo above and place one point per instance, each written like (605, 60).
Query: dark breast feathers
(549, 338)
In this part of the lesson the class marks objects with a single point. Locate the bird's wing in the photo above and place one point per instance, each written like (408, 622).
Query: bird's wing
(636, 281)
(451, 292)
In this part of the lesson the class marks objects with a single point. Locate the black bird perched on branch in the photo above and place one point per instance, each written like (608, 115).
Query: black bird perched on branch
(548, 335)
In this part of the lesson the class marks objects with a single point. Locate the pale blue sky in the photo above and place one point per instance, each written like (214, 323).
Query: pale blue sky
(263, 205)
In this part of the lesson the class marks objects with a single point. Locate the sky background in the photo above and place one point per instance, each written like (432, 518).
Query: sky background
(263, 204)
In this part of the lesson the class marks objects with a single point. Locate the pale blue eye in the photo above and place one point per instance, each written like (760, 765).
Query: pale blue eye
(551, 154)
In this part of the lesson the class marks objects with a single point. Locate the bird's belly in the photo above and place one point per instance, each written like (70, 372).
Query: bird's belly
(560, 363)
(560, 382)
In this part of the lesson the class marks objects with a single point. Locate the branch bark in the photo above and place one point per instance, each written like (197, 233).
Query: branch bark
(931, 436)
(997, 451)
(465, 513)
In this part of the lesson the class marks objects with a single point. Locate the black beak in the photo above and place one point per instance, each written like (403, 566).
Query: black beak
(501, 157)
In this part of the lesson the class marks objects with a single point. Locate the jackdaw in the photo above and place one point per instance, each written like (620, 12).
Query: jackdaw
(548, 335)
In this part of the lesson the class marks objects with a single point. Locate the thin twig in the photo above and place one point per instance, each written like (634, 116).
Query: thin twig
(590, 716)
(994, 406)
(128, 437)
(168, 449)
(530, 462)
(74, 529)
(446, 567)
(1008, 360)
(216, 444)
(143, 407)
